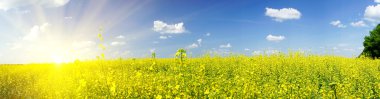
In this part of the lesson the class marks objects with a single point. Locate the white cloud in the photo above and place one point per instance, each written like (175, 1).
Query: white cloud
(377, 1)
(372, 13)
(358, 24)
(192, 46)
(246, 49)
(228, 45)
(208, 34)
(164, 28)
(274, 38)
(36, 31)
(163, 37)
(120, 37)
(199, 41)
(115, 43)
(283, 14)
(338, 24)
(11, 4)
(195, 45)
(33, 34)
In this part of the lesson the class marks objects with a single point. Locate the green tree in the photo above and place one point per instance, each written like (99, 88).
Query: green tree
(372, 44)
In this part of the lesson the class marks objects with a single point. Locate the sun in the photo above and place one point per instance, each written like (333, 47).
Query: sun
(59, 58)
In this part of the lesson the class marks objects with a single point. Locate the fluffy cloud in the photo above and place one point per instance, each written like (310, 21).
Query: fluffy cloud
(274, 38)
(246, 49)
(32, 38)
(10, 4)
(358, 24)
(164, 28)
(36, 31)
(228, 45)
(199, 41)
(192, 46)
(377, 1)
(115, 43)
(372, 13)
(195, 45)
(283, 14)
(338, 24)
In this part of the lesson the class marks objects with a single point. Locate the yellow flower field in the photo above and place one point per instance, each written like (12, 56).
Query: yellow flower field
(291, 75)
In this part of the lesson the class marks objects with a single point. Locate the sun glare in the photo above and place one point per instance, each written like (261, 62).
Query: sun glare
(58, 59)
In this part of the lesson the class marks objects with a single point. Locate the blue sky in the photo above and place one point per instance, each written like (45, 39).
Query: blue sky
(64, 30)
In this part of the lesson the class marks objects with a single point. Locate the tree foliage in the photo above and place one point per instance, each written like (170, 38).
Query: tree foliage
(372, 44)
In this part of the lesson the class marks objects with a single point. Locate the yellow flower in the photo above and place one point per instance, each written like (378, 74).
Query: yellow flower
(158, 97)
(177, 87)
(207, 92)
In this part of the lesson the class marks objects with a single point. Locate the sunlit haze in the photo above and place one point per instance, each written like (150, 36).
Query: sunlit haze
(59, 31)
